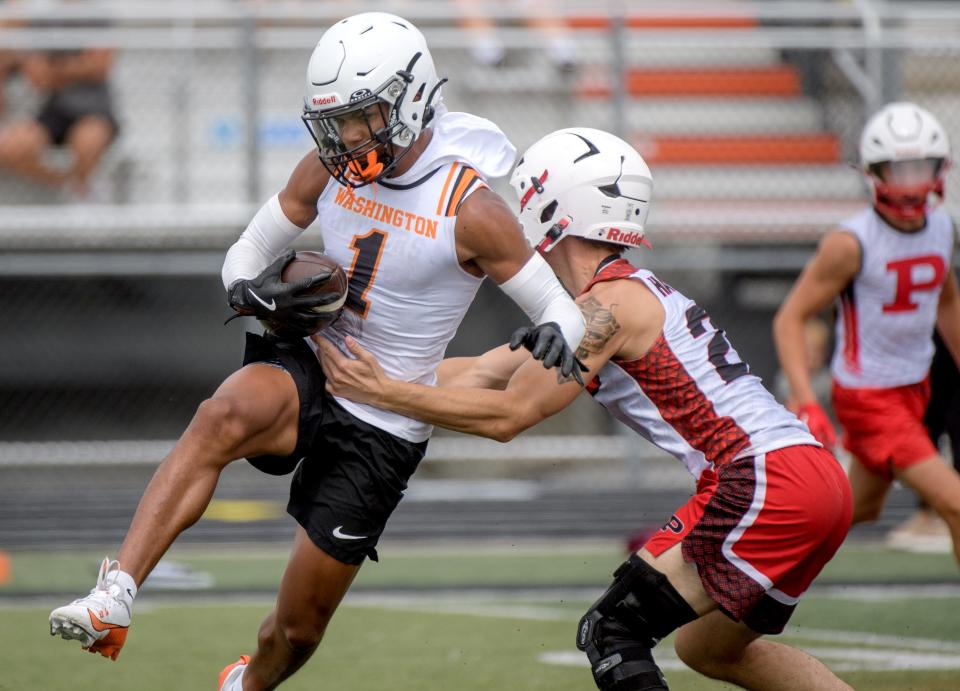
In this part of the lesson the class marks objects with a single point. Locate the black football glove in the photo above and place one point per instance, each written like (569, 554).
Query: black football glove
(268, 298)
(546, 343)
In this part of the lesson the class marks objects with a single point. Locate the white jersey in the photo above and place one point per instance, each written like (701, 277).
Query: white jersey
(408, 293)
(691, 394)
(886, 315)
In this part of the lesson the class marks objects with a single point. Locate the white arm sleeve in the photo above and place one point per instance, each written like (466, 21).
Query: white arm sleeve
(537, 291)
(269, 233)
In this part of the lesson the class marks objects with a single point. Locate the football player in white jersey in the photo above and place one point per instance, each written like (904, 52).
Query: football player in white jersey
(771, 506)
(399, 190)
(889, 271)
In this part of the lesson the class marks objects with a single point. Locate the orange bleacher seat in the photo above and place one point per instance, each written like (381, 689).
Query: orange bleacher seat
(780, 149)
(768, 81)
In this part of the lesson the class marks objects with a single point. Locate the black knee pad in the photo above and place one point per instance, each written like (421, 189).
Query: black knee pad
(620, 629)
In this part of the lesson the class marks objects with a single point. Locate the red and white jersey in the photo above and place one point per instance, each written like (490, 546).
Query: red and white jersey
(691, 394)
(886, 315)
(408, 291)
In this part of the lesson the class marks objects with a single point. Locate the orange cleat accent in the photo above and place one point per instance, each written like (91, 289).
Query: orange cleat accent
(100, 625)
(110, 645)
(244, 660)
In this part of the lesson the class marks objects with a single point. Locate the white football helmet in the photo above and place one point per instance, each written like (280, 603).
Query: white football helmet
(904, 154)
(369, 59)
(584, 182)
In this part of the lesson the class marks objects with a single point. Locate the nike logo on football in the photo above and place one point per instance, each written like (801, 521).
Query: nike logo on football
(99, 625)
(337, 532)
(272, 305)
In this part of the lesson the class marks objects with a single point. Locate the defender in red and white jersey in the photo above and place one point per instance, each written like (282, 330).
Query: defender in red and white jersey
(888, 269)
(771, 506)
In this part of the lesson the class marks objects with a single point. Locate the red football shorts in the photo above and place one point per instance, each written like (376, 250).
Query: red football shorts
(883, 428)
(760, 529)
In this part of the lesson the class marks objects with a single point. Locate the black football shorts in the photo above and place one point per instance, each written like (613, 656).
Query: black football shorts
(350, 475)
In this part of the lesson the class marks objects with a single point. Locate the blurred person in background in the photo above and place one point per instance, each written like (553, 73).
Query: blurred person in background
(488, 50)
(889, 271)
(771, 506)
(77, 112)
(816, 341)
(925, 531)
(399, 187)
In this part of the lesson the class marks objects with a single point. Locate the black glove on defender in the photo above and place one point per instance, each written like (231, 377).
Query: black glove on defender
(546, 343)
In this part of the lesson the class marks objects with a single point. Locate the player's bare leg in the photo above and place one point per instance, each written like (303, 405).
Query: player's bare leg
(682, 576)
(869, 492)
(939, 486)
(720, 648)
(254, 412)
(313, 585)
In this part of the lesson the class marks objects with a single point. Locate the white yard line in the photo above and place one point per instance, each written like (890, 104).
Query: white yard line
(841, 650)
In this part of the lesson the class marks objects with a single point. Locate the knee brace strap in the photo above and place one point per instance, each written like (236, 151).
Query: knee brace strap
(630, 618)
(630, 668)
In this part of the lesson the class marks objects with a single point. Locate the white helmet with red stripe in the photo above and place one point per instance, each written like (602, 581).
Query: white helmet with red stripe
(584, 182)
(904, 153)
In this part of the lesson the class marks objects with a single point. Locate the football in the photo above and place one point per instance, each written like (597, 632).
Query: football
(307, 264)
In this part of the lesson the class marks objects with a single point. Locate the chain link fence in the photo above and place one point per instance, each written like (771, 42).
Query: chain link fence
(748, 112)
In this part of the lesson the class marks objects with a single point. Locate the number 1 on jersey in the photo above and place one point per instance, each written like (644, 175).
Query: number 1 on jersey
(366, 258)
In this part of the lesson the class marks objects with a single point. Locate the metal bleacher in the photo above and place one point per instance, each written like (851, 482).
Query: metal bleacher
(713, 94)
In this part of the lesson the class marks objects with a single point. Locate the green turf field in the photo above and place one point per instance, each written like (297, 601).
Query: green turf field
(389, 637)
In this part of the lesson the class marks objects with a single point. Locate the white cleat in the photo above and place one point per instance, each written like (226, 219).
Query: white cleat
(230, 676)
(101, 619)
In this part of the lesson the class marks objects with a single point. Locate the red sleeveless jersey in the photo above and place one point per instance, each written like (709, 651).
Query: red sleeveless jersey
(691, 394)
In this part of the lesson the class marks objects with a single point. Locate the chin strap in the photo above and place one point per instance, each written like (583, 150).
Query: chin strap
(553, 235)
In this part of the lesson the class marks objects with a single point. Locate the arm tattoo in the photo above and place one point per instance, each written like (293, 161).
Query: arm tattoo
(601, 326)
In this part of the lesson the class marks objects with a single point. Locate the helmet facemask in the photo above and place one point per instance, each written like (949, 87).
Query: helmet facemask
(380, 111)
(901, 189)
(372, 159)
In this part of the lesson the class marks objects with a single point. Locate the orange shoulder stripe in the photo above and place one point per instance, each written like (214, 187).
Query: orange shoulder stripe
(464, 180)
(446, 185)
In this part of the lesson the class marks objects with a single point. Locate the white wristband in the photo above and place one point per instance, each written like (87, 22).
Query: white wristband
(536, 289)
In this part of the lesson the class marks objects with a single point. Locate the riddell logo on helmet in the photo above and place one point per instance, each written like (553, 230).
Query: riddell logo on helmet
(324, 100)
(631, 238)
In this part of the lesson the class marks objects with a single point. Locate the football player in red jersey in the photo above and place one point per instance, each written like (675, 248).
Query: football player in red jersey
(888, 271)
(771, 506)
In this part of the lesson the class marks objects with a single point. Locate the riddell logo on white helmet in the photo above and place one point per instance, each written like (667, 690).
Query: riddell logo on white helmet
(631, 238)
(323, 100)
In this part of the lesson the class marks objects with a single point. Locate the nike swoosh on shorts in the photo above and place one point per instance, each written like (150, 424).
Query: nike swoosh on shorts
(338, 532)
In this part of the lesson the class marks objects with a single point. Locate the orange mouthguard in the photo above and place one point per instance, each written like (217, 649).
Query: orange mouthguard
(367, 172)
